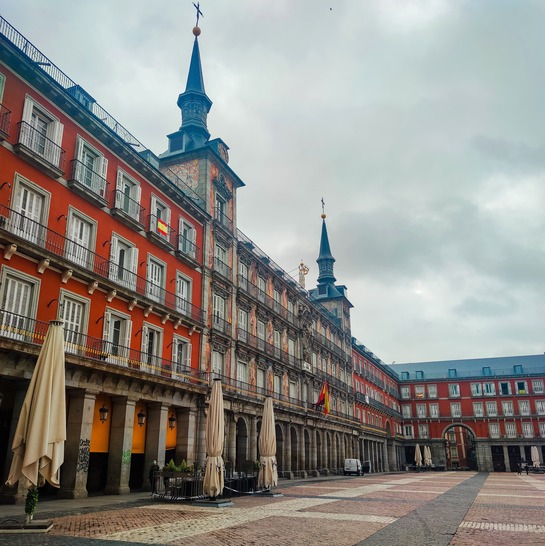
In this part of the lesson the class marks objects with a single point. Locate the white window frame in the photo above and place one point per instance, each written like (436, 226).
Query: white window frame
(524, 384)
(507, 408)
(217, 363)
(405, 392)
(243, 321)
(524, 407)
(160, 211)
(117, 351)
(78, 250)
(454, 390)
(537, 386)
(187, 242)
(128, 201)
(181, 357)
(476, 389)
(540, 407)
(242, 371)
(489, 388)
(434, 410)
(494, 430)
(491, 408)
(421, 411)
(455, 409)
(75, 341)
(130, 266)
(478, 409)
(219, 304)
(183, 296)
(527, 429)
(406, 411)
(53, 136)
(93, 177)
(13, 324)
(432, 391)
(423, 431)
(542, 429)
(155, 290)
(419, 391)
(510, 429)
(408, 431)
(151, 359)
(30, 227)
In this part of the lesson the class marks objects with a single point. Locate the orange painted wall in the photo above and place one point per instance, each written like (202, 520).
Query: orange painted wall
(100, 435)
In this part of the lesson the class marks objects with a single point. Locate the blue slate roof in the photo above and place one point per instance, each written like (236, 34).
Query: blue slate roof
(473, 367)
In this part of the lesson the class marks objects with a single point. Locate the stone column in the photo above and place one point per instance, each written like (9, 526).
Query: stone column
(156, 439)
(253, 438)
(77, 447)
(231, 447)
(119, 458)
(186, 433)
(506, 458)
(313, 463)
(287, 449)
(200, 427)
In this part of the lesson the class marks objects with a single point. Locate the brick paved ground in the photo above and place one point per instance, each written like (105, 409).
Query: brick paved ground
(457, 508)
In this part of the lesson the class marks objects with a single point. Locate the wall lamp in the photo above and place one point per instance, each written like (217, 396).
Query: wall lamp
(103, 412)
(171, 422)
(141, 418)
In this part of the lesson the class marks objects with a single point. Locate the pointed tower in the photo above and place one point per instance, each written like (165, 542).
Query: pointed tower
(331, 296)
(195, 105)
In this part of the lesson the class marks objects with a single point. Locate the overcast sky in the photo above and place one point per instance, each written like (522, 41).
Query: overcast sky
(420, 123)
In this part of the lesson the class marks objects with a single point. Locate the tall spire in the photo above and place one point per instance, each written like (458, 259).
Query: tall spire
(325, 259)
(194, 104)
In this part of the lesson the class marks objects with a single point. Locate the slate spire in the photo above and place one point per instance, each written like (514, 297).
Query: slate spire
(325, 259)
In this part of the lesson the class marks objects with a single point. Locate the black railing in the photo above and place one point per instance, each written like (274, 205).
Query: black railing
(187, 248)
(56, 244)
(5, 120)
(36, 142)
(223, 219)
(221, 324)
(222, 268)
(161, 230)
(27, 330)
(128, 207)
(89, 179)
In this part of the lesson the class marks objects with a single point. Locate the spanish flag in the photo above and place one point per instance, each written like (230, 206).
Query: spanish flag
(323, 398)
(162, 227)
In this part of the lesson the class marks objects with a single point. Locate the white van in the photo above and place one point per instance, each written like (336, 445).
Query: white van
(352, 466)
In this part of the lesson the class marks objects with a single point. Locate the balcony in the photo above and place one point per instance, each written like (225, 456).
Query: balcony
(222, 220)
(161, 233)
(5, 120)
(89, 184)
(128, 210)
(221, 325)
(223, 269)
(187, 250)
(46, 243)
(30, 331)
(39, 150)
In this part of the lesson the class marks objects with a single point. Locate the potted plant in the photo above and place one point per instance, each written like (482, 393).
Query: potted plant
(31, 501)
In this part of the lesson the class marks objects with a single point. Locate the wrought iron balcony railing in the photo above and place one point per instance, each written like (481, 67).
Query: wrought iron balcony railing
(222, 268)
(128, 208)
(27, 330)
(221, 324)
(49, 242)
(33, 141)
(188, 248)
(88, 183)
(5, 120)
(223, 219)
(159, 229)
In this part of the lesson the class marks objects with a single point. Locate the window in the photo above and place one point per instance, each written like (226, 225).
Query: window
(261, 333)
(454, 390)
(487, 370)
(242, 325)
(405, 376)
(537, 386)
(160, 218)
(217, 363)
(423, 431)
(455, 409)
(277, 384)
(542, 429)
(405, 392)
(432, 391)
(2, 85)
(510, 430)
(522, 387)
(505, 388)
(181, 357)
(183, 294)
(491, 409)
(476, 389)
(277, 300)
(419, 374)
(507, 407)
(408, 431)
(528, 430)
(517, 368)
(30, 206)
(524, 407)
(220, 259)
(90, 168)
(293, 389)
(494, 430)
(452, 372)
(243, 275)
(421, 410)
(81, 239)
(19, 300)
(277, 338)
(242, 372)
(41, 132)
(419, 391)
(221, 209)
(260, 378)
(478, 410)
(117, 337)
(291, 310)
(291, 352)
(218, 311)
(406, 411)
(489, 389)
(74, 310)
(127, 196)
(434, 410)
(187, 243)
(262, 288)
(152, 342)
(123, 262)
(155, 282)
(540, 407)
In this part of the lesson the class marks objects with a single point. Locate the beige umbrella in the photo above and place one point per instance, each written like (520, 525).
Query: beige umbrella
(38, 444)
(215, 431)
(427, 456)
(417, 455)
(535, 456)
(268, 472)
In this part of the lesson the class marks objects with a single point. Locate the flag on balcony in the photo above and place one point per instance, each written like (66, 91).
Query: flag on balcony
(162, 228)
(323, 398)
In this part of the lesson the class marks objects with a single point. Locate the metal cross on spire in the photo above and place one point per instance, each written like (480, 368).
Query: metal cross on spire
(323, 206)
(199, 12)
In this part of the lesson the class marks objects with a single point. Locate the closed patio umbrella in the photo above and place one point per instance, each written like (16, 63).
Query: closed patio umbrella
(535, 456)
(215, 430)
(268, 472)
(417, 455)
(38, 444)
(427, 456)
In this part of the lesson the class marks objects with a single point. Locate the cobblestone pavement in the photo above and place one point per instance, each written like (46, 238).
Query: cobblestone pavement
(428, 508)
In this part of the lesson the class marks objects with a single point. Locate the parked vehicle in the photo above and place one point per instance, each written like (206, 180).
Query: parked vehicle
(352, 466)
